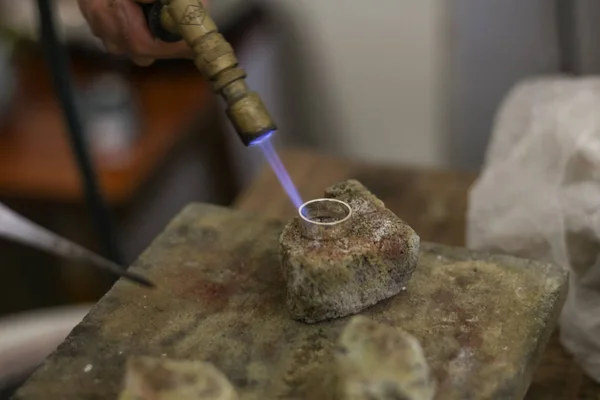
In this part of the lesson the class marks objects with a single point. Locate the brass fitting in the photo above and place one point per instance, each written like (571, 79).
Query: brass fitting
(215, 59)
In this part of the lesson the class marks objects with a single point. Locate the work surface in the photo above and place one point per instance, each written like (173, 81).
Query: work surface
(434, 203)
(482, 320)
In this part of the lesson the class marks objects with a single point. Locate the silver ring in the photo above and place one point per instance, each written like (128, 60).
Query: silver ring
(324, 219)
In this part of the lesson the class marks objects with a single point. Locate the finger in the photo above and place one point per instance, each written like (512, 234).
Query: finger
(101, 20)
(143, 61)
(134, 28)
(83, 7)
(141, 42)
(205, 2)
(114, 48)
(91, 9)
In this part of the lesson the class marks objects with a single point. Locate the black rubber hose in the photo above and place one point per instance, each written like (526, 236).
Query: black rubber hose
(566, 24)
(58, 63)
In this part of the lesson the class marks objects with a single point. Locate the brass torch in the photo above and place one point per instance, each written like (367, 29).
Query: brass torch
(174, 20)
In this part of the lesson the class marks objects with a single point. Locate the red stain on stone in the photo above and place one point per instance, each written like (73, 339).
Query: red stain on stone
(188, 283)
(270, 350)
(467, 334)
(214, 296)
(464, 281)
(392, 248)
(443, 297)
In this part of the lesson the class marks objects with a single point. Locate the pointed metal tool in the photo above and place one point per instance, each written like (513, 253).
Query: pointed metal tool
(17, 228)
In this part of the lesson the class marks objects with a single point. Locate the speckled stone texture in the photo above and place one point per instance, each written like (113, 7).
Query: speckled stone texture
(329, 279)
(153, 378)
(376, 361)
(482, 320)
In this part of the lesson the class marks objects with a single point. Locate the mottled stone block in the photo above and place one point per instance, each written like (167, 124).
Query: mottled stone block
(334, 278)
(149, 378)
(378, 362)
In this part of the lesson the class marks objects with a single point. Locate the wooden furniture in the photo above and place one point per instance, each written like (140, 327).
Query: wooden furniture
(434, 203)
(182, 155)
(180, 135)
(36, 161)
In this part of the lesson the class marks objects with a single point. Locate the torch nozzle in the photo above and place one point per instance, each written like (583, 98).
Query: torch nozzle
(172, 20)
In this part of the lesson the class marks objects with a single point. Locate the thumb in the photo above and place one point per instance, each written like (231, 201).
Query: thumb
(205, 2)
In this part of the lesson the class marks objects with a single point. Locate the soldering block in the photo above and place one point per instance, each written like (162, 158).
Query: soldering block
(376, 361)
(333, 278)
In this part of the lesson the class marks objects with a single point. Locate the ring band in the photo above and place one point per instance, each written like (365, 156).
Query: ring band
(324, 219)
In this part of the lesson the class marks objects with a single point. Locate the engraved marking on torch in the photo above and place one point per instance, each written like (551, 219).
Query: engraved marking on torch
(193, 15)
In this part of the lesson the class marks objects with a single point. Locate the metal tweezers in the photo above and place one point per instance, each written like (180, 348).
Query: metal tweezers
(19, 229)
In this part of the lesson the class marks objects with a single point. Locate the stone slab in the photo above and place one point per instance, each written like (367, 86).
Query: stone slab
(483, 320)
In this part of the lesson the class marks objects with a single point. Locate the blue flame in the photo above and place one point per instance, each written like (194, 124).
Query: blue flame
(268, 150)
(262, 139)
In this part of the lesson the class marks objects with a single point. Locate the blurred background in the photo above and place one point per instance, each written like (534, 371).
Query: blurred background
(393, 81)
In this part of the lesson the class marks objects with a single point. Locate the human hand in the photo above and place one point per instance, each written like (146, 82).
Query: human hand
(122, 27)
